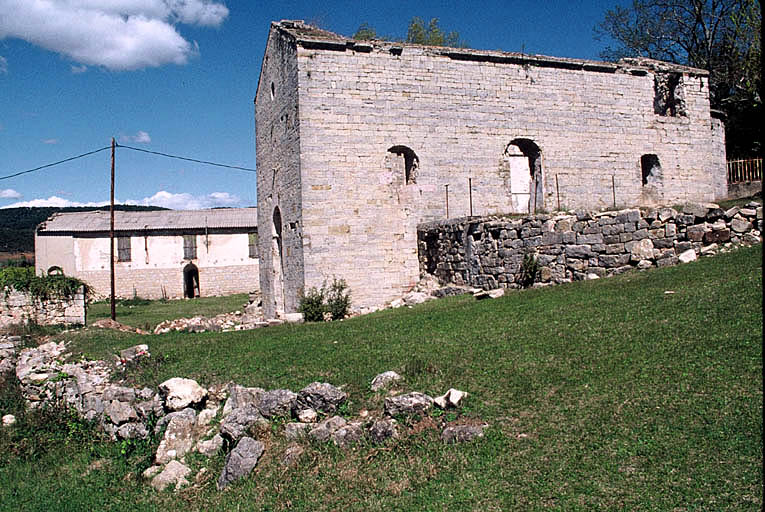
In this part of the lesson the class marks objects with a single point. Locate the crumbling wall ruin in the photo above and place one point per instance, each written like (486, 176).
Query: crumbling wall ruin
(488, 252)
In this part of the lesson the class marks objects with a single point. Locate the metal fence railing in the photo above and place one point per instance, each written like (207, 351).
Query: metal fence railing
(744, 170)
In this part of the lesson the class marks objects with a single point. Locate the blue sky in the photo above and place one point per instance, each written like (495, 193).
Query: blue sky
(179, 77)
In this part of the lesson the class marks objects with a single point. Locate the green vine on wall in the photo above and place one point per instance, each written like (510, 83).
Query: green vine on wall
(23, 279)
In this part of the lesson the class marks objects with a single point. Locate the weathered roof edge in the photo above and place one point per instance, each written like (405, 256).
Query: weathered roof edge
(93, 221)
(311, 37)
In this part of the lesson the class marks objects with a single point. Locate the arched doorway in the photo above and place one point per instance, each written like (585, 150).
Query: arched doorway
(524, 159)
(277, 262)
(190, 281)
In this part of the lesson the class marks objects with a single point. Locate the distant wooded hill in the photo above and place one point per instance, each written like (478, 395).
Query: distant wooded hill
(17, 225)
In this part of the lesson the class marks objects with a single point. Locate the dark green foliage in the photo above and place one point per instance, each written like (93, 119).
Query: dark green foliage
(335, 300)
(312, 304)
(24, 279)
(338, 299)
(417, 33)
(17, 225)
(17, 262)
(529, 270)
(721, 36)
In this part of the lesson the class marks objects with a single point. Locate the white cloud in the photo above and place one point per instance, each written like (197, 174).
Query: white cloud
(185, 201)
(141, 137)
(50, 141)
(51, 201)
(76, 70)
(9, 193)
(118, 35)
(3, 65)
(182, 201)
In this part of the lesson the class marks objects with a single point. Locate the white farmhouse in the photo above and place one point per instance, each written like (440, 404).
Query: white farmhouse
(170, 253)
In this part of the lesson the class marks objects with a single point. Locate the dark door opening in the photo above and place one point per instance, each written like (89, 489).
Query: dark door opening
(190, 281)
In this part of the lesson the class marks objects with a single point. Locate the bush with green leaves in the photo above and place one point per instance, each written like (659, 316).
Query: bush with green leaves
(529, 270)
(312, 304)
(335, 300)
(23, 279)
(338, 299)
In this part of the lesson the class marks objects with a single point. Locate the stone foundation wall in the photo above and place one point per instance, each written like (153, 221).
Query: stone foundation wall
(21, 308)
(488, 252)
(165, 282)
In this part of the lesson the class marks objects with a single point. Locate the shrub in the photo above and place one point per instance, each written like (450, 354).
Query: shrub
(529, 270)
(335, 300)
(24, 279)
(338, 299)
(312, 304)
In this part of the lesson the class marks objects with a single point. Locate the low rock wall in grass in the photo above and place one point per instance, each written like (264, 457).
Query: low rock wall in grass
(488, 252)
(18, 307)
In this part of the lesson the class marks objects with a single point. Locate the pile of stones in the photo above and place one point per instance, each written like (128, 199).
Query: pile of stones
(215, 420)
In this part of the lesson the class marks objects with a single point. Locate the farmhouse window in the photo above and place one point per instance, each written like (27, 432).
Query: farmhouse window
(253, 244)
(123, 248)
(189, 247)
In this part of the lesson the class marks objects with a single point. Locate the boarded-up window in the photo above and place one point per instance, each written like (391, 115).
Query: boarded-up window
(189, 247)
(253, 244)
(123, 248)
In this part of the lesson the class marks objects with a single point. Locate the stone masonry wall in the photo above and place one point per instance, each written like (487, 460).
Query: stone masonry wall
(330, 112)
(279, 180)
(488, 252)
(20, 308)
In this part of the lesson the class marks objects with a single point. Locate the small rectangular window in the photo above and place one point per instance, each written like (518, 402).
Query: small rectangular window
(189, 247)
(123, 248)
(253, 244)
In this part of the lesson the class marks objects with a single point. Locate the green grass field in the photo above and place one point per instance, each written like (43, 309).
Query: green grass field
(600, 395)
(147, 314)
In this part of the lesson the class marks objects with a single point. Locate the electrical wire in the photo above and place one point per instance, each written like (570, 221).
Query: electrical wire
(54, 163)
(188, 159)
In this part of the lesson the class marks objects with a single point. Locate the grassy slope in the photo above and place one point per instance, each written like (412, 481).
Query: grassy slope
(147, 315)
(608, 394)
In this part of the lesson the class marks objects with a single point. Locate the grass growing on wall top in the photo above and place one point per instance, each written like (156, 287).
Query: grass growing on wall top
(608, 394)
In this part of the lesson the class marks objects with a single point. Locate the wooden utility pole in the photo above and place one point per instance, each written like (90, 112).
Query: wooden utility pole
(111, 238)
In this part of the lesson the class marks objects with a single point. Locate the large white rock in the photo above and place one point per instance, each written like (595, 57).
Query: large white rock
(180, 393)
(174, 473)
(687, 256)
(8, 420)
(383, 380)
(452, 398)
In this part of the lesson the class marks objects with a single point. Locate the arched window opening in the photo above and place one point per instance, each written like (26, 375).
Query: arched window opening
(277, 262)
(651, 170)
(55, 270)
(410, 160)
(190, 281)
(524, 159)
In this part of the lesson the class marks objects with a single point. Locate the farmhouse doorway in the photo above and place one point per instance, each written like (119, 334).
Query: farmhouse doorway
(190, 281)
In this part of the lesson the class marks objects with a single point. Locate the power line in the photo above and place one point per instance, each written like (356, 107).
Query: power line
(188, 159)
(205, 162)
(54, 163)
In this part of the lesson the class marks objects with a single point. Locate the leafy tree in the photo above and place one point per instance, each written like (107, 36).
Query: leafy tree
(365, 33)
(417, 33)
(721, 36)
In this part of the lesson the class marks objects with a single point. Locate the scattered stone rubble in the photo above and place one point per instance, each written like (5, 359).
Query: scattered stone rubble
(185, 413)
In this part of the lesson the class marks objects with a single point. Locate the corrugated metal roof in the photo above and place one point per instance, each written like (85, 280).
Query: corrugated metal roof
(98, 221)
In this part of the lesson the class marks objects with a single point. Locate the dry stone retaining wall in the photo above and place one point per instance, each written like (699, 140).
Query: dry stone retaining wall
(20, 308)
(488, 252)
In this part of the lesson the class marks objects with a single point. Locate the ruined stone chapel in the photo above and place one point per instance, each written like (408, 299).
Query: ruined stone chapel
(358, 142)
